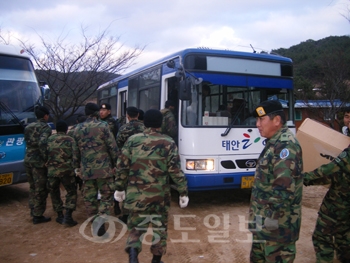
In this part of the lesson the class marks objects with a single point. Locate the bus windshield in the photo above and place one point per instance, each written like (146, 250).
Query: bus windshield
(222, 105)
(19, 91)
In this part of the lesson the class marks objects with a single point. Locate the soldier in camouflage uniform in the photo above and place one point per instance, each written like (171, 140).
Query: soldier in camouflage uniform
(36, 135)
(80, 119)
(332, 230)
(60, 170)
(70, 132)
(275, 206)
(346, 120)
(146, 164)
(96, 156)
(132, 127)
(105, 115)
(169, 124)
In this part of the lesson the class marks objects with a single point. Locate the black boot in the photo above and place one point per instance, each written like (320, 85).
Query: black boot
(133, 255)
(117, 210)
(68, 219)
(40, 219)
(60, 217)
(124, 219)
(32, 211)
(156, 259)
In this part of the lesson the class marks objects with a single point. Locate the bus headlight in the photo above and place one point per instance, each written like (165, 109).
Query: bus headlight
(204, 164)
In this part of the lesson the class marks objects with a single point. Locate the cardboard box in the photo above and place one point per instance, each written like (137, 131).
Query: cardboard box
(319, 143)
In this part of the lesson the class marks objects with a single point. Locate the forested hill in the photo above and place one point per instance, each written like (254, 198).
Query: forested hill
(310, 56)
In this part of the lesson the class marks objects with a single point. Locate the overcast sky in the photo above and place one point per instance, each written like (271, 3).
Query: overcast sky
(167, 26)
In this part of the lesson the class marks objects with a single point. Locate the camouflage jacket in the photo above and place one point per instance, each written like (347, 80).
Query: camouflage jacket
(71, 130)
(277, 188)
(112, 124)
(96, 150)
(131, 128)
(148, 161)
(169, 125)
(36, 135)
(60, 155)
(336, 203)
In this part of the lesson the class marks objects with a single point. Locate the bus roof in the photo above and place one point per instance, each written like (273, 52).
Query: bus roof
(206, 51)
(12, 50)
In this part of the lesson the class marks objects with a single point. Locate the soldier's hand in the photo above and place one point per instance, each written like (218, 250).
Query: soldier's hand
(271, 224)
(183, 201)
(119, 196)
(306, 180)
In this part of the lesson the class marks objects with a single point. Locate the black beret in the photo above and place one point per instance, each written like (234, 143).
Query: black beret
(153, 118)
(267, 107)
(91, 108)
(132, 111)
(105, 106)
(41, 111)
(61, 126)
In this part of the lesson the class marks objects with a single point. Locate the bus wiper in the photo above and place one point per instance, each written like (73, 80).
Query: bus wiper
(31, 108)
(7, 110)
(234, 119)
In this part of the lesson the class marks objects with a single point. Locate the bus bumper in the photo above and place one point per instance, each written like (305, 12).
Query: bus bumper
(17, 170)
(204, 182)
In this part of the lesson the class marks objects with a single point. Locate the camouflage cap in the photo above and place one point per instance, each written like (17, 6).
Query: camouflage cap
(91, 108)
(153, 118)
(141, 113)
(61, 126)
(41, 111)
(132, 111)
(267, 107)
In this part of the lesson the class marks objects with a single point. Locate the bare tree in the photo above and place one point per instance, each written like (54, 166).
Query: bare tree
(346, 15)
(74, 71)
(330, 91)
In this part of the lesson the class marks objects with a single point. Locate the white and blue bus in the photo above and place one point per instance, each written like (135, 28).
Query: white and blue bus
(19, 95)
(215, 91)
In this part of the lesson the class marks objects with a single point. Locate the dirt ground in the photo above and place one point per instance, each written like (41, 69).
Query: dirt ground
(211, 229)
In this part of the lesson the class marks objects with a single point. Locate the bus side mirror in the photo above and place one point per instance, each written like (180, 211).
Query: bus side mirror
(185, 89)
(45, 91)
(170, 64)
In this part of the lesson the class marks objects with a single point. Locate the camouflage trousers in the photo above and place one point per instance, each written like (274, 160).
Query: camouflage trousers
(90, 189)
(138, 223)
(68, 182)
(272, 252)
(37, 179)
(329, 236)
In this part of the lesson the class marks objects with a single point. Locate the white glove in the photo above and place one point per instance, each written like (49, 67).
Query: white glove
(271, 224)
(77, 172)
(183, 201)
(119, 196)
